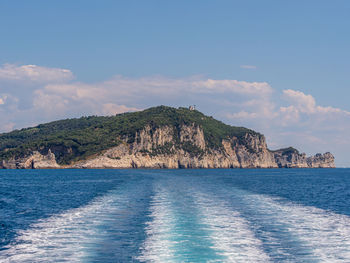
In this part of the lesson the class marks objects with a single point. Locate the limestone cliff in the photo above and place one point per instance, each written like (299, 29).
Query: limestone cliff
(291, 158)
(157, 149)
(36, 160)
(196, 142)
(252, 152)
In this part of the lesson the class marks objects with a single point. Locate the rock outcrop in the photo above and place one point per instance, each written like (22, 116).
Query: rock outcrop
(182, 147)
(291, 158)
(36, 160)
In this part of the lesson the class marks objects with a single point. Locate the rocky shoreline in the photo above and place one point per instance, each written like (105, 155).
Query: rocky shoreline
(155, 148)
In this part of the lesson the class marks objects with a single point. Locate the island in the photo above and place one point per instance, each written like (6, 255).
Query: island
(158, 137)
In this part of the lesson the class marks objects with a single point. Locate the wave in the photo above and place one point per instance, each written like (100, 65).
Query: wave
(188, 226)
(70, 237)
(240, 226)
(318, 235)
(231, 233)
(159, 246)
(185, 220)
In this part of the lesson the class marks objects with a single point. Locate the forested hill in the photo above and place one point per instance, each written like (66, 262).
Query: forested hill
(76, 139)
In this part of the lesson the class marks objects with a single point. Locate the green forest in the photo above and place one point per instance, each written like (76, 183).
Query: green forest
(75, 139)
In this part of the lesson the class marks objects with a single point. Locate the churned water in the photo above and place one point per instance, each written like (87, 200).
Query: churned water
(277, 215)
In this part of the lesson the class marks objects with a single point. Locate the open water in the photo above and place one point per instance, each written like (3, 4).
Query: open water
(234, 215)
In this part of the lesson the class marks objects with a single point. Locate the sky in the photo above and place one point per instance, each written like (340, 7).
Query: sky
(279, 67)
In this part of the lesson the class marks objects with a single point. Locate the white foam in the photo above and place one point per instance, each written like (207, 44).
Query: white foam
(72, 235)
(325, 234)
(228, 235)
(230, 232)
(66, 237)
(159, 246)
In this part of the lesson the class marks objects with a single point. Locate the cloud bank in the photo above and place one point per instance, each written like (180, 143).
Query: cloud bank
(33, 73)
(31, 94)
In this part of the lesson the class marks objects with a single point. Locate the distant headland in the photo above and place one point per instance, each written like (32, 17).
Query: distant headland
(158, 137)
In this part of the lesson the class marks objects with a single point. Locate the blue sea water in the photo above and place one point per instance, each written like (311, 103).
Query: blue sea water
(224, 215)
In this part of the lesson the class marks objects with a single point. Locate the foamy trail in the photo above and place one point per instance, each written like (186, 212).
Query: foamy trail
(175, 233)
(65, 237)
(316, 234)
(159, 246)
(81, 234)
(230, 232)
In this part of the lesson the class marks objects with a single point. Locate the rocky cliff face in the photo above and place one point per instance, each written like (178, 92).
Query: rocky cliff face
(292, 159)
(182, 147)
(36, 160)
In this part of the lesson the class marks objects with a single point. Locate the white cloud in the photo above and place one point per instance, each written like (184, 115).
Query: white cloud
(242, 115)
(121, 91)
(248, 67)
(33, 73)
(8, 126)
(302, 102)
(8, 102)
(50, 103)
(231, 86)
(112, 109)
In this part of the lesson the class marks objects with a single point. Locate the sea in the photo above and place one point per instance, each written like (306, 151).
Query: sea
(204, 215)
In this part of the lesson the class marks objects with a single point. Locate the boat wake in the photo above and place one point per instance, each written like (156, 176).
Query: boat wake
(167, 222)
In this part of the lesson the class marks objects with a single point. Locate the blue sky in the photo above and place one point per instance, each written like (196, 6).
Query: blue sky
(122, 49)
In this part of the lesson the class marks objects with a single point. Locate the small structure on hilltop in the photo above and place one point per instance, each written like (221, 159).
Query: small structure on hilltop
(192, 107)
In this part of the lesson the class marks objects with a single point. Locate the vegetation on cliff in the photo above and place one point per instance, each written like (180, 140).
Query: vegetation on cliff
(286, 151)
(75, 139)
